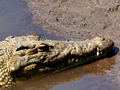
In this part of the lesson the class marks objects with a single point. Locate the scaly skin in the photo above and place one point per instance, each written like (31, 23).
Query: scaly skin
(31, 54)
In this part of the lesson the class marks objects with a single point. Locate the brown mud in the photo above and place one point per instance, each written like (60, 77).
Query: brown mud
(78, 20)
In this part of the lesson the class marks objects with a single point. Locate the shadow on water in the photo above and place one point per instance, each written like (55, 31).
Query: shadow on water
(79, 78)
(115, 49)
(15, 19)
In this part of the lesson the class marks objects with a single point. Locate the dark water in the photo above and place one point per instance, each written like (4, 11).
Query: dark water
(15, 19)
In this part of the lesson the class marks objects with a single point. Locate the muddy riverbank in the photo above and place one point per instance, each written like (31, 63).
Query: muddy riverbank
(78, 19)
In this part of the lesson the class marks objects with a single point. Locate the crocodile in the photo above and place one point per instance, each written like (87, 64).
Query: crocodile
(24, 56)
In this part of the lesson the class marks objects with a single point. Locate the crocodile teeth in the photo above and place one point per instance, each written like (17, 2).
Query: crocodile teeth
(98, 53)
(77, 60)
(72, 59)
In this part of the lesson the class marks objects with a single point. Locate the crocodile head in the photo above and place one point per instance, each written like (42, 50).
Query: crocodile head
(104, 45)
(33, 54)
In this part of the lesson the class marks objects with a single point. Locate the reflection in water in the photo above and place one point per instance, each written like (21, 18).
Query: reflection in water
(15, 19)
(46, 82)
(102, 81)
(114, 73)
(88, 82)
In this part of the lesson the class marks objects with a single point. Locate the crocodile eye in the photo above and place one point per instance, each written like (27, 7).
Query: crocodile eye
(44, 47)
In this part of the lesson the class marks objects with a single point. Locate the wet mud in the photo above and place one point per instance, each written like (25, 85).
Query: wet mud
(72, 20)
(78, 19)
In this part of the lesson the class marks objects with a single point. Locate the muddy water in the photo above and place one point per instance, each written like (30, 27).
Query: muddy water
(15, 19)
(87, 77)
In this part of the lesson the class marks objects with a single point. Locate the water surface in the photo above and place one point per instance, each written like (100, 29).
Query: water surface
(15, 19)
